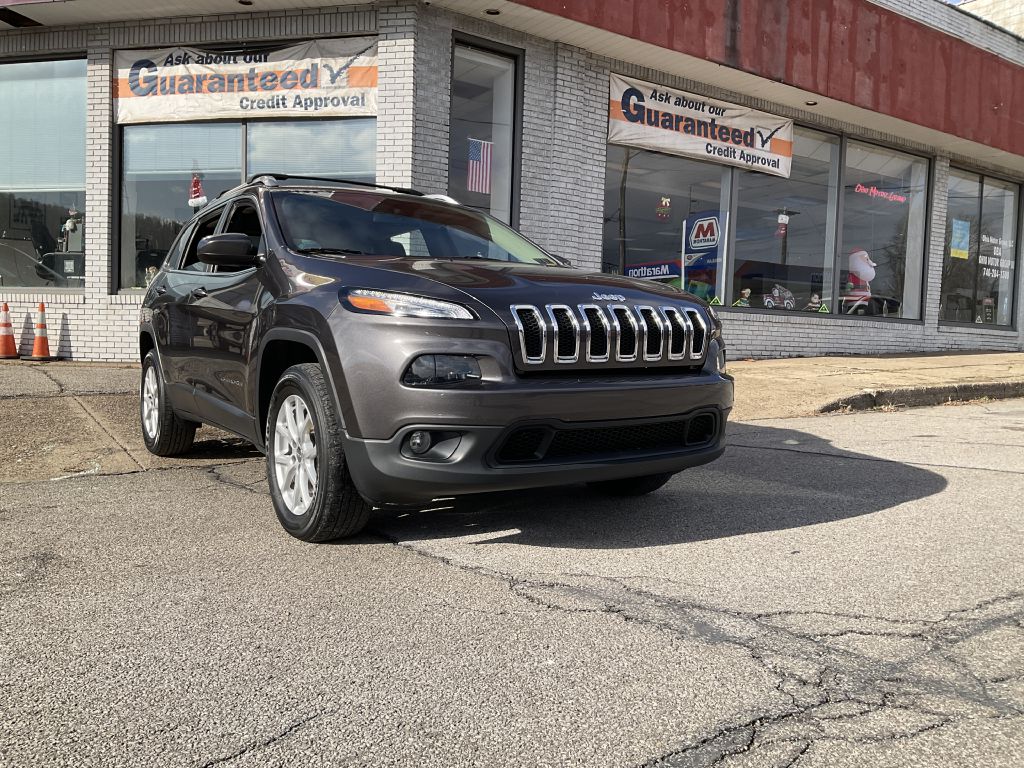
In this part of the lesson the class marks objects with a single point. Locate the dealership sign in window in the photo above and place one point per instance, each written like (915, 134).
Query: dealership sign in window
(650, 116)
(321, 78)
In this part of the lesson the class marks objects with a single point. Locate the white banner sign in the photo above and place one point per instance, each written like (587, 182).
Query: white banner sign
(651, 116)
(321, 78)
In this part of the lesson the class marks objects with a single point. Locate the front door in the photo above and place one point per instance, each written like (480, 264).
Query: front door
(224, 310)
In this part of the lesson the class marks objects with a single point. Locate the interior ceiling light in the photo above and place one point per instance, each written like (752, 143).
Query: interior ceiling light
(811, 103)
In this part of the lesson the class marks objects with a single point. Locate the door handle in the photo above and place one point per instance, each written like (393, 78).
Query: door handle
(199, 293)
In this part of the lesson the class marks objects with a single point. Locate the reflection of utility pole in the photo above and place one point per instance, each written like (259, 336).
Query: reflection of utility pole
(622, 211)
(783, 230)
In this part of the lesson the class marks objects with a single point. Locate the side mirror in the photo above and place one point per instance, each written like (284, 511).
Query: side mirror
(230, 249)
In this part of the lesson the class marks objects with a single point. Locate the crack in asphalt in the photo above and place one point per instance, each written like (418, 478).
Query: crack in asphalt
(877, 680)
(258, 744)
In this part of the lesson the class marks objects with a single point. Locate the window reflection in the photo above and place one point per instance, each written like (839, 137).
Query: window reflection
(171, 170)
(785, 230)
(42, 174)
(980, 255)
(482, 131)
(882, 258)
(664, 220)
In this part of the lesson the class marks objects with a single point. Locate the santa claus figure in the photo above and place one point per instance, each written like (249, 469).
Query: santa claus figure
(861, 273)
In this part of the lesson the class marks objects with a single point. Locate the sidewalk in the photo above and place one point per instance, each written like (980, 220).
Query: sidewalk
(776, 389)
(67, 418)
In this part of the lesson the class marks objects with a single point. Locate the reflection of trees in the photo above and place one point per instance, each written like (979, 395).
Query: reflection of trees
(892, 256)
(154, 232)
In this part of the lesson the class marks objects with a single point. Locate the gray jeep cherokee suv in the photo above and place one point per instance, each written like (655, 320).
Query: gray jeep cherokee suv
(386, 347)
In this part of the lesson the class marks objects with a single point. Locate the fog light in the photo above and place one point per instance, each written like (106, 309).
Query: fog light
(439, 370)
(419, 442)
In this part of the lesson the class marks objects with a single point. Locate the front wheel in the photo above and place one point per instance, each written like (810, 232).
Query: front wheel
(163, 431)
(631, 486)
(313, 493)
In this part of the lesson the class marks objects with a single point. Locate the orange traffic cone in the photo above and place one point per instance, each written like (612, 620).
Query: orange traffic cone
(41, 345)
(8, 349)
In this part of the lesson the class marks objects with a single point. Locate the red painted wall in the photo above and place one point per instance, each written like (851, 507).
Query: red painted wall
(849, 50)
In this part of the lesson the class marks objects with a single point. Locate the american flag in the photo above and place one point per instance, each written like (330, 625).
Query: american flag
(479, 166)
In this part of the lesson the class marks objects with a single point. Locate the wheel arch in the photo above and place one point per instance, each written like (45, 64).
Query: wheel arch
(280, 349)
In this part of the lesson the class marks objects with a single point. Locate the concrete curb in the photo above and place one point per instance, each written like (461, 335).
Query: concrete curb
(912, 397)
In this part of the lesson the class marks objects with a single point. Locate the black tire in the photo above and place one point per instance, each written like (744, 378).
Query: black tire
(336, 509)
(631, 486)
(172, 435)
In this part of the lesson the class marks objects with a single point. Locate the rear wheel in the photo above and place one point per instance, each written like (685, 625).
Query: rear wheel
(163, 431)
(631, 486)
(313, 493)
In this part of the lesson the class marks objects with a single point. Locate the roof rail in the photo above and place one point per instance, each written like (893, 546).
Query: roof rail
(287, 176)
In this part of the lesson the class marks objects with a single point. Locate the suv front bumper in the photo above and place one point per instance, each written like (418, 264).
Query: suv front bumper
(386, 473)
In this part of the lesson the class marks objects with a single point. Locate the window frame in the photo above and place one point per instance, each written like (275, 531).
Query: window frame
(518, 58)
(1015, 288)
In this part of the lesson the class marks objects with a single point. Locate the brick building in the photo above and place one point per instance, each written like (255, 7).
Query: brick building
(856, 190)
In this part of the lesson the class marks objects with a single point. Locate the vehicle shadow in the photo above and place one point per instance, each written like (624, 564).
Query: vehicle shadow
(769, 479)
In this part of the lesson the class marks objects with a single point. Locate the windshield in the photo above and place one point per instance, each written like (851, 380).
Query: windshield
(354, 221)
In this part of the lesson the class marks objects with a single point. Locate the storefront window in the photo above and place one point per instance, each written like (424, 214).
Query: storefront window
(482, 131)
(664, 219)
(42, 174)
(980, 256)
(882, 256)
(171, 170)
(336, 149)
(785, 230)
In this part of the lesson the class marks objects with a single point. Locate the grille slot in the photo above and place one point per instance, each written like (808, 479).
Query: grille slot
(567, 333)
(653, 332)
(542, 444)
(626, 333)
(532, 333)
(597, 332)
(679, 332)
(700, 333)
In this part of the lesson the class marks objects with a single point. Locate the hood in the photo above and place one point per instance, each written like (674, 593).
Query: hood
(500, 284)
(562, 318)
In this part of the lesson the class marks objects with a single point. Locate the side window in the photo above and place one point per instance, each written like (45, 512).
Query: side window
(245, 220)
(173, 253)
(206, 226)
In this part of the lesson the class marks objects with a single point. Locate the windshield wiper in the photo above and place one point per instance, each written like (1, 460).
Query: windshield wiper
(329, 251)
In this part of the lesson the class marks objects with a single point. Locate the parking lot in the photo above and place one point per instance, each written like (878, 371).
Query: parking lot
(840, 590)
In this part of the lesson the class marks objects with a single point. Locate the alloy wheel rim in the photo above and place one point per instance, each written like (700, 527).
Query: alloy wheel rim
(295, 454)
(150, 403)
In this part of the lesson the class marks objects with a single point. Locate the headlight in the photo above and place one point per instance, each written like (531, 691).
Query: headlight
(404, 305)
(438, 370)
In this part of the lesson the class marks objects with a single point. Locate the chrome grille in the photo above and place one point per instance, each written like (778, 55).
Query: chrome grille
(616, 332)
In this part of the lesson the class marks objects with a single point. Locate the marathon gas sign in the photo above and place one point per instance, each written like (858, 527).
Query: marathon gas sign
(651, 116)
(327, 78)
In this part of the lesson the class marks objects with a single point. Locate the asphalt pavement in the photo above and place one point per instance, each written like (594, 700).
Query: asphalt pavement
(835, 591)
